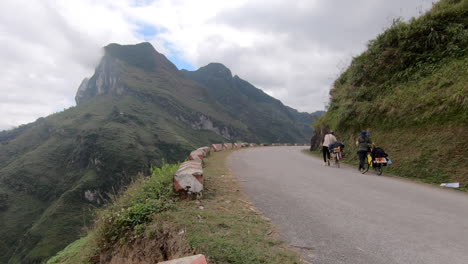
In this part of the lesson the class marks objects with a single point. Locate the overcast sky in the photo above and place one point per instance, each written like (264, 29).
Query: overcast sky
(292, 49)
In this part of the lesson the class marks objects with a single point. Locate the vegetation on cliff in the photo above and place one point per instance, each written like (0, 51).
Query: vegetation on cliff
(409, 88)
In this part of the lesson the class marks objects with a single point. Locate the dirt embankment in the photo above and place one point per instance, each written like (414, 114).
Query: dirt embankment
(159, 243)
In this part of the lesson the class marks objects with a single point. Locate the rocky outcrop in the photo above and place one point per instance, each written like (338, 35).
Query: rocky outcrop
(82, 89)
(317, 138)
(108, 77)
(106, 80)
(204, 122)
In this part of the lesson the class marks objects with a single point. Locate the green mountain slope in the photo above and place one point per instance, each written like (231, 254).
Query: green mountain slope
(135, 111)
(410, 90)
(264, 116)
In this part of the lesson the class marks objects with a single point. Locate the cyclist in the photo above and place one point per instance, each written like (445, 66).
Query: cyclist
(327, 141)
(363, 143)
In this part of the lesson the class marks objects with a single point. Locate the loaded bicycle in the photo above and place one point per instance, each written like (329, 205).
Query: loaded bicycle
(376, 159)
(336, 153)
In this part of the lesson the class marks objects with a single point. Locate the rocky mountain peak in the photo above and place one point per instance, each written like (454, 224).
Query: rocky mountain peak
(107, 78)
(142, 55)
(216, 70)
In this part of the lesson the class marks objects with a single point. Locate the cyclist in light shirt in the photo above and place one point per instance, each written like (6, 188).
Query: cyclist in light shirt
(327, 141)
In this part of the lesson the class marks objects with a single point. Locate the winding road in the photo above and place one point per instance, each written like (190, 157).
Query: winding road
(337, 215)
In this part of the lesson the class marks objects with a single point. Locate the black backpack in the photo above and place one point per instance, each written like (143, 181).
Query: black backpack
(380, 153)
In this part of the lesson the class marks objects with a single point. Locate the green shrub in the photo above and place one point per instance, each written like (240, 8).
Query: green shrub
(136, 206)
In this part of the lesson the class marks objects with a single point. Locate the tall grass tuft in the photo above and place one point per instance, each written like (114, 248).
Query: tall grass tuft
(129, 213)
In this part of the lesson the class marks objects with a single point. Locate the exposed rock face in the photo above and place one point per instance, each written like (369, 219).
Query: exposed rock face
(205, 123)
(82, 89)
(108, 77)
(106, 80)
(93, 196)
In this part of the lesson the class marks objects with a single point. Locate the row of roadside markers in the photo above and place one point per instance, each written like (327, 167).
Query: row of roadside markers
(188, 181)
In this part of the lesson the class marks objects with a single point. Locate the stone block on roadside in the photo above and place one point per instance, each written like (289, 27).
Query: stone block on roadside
(197, 155)
(206, 151)
(227, 146)
(197, 259)
(188, 179)
(217, 147)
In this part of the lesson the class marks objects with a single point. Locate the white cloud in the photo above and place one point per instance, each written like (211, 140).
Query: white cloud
(291, 49)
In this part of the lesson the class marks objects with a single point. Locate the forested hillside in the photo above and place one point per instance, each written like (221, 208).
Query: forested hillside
(410, 90)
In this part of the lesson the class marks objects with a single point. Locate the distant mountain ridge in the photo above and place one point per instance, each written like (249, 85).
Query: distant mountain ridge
(135, 111)
(249, 104)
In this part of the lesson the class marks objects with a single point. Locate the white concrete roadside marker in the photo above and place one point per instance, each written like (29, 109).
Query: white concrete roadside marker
(227, 146)
(206, 150)
(217, 147)
(197, 259)
(188, 179)
(197, 155)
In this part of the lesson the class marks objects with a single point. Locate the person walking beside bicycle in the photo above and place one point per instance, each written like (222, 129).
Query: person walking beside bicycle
(363, 143)
(327, 141)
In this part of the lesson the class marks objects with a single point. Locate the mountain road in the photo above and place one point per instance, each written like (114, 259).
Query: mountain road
(338, 215)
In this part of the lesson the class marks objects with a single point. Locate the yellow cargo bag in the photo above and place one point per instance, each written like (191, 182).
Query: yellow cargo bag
(369, 160)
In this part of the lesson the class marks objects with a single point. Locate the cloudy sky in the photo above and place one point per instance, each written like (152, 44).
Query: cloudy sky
(292, 49)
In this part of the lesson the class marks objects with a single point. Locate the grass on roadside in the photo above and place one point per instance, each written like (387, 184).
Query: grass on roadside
(79, 251)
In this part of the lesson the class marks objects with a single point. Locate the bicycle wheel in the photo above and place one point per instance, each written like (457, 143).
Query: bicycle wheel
(337, 161)
(379, 169)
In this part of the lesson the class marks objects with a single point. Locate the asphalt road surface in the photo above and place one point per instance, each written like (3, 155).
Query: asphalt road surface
(338, 215)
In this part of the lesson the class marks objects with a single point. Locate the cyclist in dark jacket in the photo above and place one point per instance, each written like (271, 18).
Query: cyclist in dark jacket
(363, 143)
